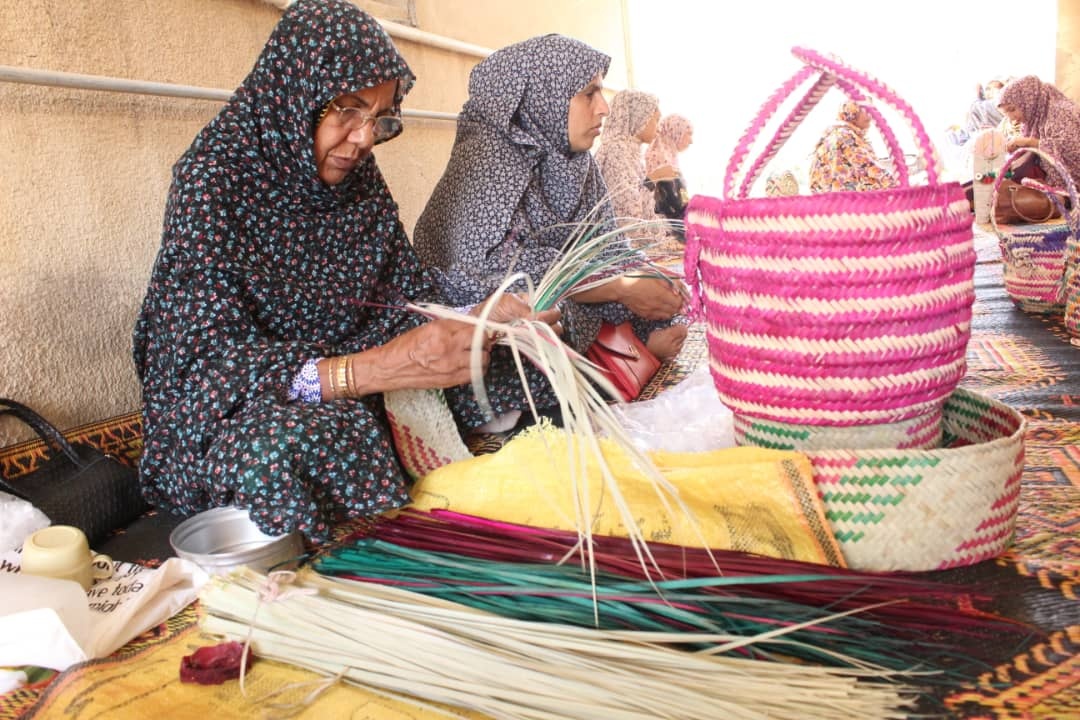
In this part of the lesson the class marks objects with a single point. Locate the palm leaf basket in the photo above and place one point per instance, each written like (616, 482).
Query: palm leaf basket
(836, 310)
(1037, 258)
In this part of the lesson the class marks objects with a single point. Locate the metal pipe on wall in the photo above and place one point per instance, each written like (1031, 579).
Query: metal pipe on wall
(79, 81)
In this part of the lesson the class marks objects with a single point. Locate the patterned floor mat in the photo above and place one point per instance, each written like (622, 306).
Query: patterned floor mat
(1024, 360)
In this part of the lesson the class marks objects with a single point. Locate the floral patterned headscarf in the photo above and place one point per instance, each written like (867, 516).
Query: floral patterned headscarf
(664, 150)
(512, 183)
(1050, 117)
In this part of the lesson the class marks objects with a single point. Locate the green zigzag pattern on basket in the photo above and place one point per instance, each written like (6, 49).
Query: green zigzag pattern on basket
(927, 509)
(759, 434)
(862, 498)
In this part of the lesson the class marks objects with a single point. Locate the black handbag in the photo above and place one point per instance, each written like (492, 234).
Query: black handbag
(78, 484)
(670, 197)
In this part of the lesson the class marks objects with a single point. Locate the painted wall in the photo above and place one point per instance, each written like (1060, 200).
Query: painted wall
(1067, 76)
(85, 173)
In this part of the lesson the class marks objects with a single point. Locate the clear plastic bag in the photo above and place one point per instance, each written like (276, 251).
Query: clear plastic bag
(18, 519)
(688, 417)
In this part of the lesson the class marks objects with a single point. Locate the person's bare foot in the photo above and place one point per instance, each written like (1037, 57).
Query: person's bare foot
(665, 343)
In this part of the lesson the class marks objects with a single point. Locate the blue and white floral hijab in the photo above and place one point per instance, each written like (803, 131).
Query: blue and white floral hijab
(512, 178)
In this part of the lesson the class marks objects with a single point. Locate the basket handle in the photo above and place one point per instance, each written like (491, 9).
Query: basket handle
(854, 83)
(1072, 217)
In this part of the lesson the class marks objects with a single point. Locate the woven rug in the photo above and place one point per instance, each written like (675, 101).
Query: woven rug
(1024, 360)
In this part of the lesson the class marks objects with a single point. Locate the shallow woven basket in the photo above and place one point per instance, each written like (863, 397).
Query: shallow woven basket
(1036, 257)
(842, 309)
(929, 509)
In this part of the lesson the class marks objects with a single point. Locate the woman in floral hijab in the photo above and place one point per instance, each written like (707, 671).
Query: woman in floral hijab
(630, 127)
(1048, 121)
(520, 176)
(274, 316)
(673, 135)
(844, 159)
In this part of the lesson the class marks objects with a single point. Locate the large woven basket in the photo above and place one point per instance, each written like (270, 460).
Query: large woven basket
(842, 309)
(1035, 257)
(929, 509)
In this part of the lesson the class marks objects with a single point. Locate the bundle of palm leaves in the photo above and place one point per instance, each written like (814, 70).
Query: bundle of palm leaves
(594, 254)
(444, 655)
(762, 607)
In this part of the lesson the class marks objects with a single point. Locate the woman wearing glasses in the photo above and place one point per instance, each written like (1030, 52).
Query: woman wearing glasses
(273, 319)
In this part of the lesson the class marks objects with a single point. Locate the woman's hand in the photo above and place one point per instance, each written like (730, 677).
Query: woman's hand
(651, 298)
(509, 308)
(1021, 142)
(436, 354)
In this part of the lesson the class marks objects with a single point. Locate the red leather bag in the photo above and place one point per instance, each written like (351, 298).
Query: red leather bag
(624, 359)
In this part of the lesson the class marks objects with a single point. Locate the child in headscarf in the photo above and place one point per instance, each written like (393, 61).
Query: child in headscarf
(520, 176)
(1048, 121)
(844, 159)
(274, 316)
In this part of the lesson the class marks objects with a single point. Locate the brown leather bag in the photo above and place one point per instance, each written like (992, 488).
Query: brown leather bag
(1018, 204)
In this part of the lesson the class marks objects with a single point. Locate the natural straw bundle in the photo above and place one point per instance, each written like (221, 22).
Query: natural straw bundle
(409, 646)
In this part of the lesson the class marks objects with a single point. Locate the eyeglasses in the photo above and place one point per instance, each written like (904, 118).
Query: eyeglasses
(383, 127)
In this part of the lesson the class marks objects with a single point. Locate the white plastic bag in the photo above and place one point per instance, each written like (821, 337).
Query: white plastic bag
(688, 417)
(18, 519)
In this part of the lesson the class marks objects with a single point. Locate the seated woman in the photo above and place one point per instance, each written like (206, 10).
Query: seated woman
(274, 316)
(673, 135)
(629, 128)
(520, 176)
(844, 159)
(1048, 121)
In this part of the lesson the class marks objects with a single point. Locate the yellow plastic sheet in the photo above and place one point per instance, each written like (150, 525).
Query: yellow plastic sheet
(146, 686)
(750, 499)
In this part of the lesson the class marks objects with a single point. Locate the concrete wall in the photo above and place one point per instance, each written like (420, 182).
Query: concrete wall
(85, 173)
(1067, 64)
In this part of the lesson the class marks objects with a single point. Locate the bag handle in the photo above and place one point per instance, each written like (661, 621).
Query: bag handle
(43, 428)
(1071, 217)
(854, 83)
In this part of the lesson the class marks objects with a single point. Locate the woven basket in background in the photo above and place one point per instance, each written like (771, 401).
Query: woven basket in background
(1036, 257)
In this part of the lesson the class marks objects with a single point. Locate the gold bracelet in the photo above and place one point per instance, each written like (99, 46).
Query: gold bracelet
(330, 379)
(342, 375)
(350, 381)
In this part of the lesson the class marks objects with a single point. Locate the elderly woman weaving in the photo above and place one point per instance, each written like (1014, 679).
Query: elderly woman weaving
(274, 317)
(520, 178)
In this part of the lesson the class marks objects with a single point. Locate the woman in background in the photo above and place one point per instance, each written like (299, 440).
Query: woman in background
(1048, 121)
(844, 159)
(274, 319)
(632, 124)
(673, 135)
(520, 177)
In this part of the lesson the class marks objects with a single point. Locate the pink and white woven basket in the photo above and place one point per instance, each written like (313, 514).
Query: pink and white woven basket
(1037, 259)
(843, 309)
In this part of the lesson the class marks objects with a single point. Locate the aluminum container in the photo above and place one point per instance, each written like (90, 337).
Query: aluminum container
(224, 538)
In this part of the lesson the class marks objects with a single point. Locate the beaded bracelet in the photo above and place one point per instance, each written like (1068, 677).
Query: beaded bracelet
(305, 384)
